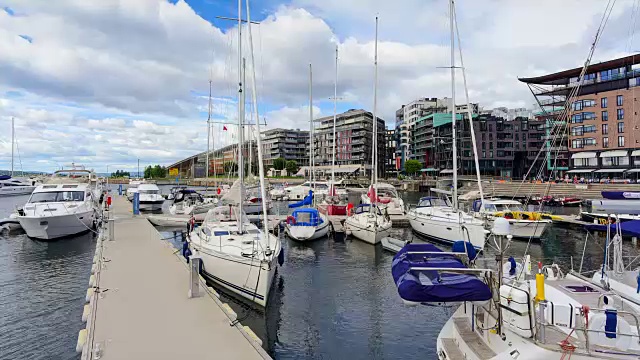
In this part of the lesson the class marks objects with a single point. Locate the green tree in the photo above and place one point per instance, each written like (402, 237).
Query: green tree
(412, 166)
(291, 166)
(148, 172)
(279, 163)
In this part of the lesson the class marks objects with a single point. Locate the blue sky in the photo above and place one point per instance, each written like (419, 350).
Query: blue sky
(105, 83)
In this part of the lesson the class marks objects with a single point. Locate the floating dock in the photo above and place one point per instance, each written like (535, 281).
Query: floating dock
(139, 305)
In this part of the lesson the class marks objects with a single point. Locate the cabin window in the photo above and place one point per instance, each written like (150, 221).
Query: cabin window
(56, 196)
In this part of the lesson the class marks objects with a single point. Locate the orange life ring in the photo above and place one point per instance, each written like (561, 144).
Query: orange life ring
(291, 220)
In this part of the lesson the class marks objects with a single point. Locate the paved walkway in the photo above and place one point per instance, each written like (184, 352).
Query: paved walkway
(144, 311)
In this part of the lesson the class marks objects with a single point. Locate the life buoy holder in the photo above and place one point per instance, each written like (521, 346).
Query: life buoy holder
(291, 220)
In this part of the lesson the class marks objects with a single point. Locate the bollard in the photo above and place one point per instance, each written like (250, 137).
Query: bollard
(194, 277)
(136, 203)
(112, 229)
(120, 189)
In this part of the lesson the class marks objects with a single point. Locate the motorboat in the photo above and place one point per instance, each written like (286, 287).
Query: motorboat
(187, 201)
(15, 186)
(278, 193)
(252, 200)
(624, 204)
(524, 224)
(387, 198)
(236, 254)
(368, 223)
(67, 204)
(392, 244)
(133, 187)
(569, 201)
(307, 224)
(435, 218)
(150, 197)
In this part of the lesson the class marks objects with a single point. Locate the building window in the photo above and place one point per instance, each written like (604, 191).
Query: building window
(484, 154)
(620, 141)
(605, 129)
(491, 154)
(490, 145)
(589, 141)
(524, 137)
(605, 142)
(577, 105)
(619, 100)
(605, 115)
(615, 161)
(577, 143)
(620, 114)
(620, 128)
(603, 102)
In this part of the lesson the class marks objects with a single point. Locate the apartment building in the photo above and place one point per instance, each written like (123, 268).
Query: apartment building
(285, 143)
(391, 164)
(603, 137)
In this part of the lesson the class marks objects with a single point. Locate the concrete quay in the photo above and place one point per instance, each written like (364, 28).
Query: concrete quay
(139, 305)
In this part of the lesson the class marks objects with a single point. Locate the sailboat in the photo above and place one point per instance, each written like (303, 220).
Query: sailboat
(235, 253)
(368, 223)
(437, 217)
(307, 223)
(332, 204)
(10, 185)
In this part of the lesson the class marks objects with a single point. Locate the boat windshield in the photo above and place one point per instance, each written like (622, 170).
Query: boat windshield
(224, 213)
(387, 192)
(56, 196)
(149, 191)
(365, 208)
(428, 202)
(503, 207)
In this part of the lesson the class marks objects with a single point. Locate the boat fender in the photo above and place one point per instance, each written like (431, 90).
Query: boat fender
(512, 270)
(281, 257)
(92, 280)
(82, 339)
(90, 292)
(638, 281)
(186, 252)
(291, 220)
(85, 312)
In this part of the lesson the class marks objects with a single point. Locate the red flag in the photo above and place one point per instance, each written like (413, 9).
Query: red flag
(224, 127)
(372, 194)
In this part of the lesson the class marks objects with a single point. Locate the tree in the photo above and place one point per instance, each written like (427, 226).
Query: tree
(412, 166)
(279, 163)
(230, 166)
(291, 166)
(147, 172)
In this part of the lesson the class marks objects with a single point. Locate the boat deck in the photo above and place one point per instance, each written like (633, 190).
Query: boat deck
(141, 307)
(472, 339)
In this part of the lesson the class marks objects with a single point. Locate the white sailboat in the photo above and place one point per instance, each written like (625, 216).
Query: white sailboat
(387, 198)
(369, 223)
(333, 204)
(10, 185)
(438, 220)
(236, 254)
(308, 223)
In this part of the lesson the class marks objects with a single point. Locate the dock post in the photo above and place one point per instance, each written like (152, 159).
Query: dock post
(120, 189)
(112, 229)
(194, 277)
(136, 203)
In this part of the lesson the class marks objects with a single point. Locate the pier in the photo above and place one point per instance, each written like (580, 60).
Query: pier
(139, 304)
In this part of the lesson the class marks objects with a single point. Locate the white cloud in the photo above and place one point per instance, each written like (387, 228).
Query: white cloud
(111, 81)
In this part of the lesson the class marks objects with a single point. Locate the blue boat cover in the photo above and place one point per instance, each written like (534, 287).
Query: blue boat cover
(620, 195)
(429, 286)
(306, 201)
(307, 217)
(5, 177)
(628, 228)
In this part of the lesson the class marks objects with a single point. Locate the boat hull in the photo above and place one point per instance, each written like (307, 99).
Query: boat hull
(369, 232)
(447, 230)
(244, 277)
(307, 233)
(524, 229)
(16, 190)
(154, 205)
(53, 227)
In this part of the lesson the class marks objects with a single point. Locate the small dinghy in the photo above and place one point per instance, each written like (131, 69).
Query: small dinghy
(425, 274)
(392, 244)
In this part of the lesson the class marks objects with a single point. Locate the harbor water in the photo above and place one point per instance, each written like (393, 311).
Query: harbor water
(332, 299)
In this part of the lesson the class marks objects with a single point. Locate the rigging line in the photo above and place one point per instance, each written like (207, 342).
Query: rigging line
(568, 104)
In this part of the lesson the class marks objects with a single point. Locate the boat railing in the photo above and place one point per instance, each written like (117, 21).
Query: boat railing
(451, 270)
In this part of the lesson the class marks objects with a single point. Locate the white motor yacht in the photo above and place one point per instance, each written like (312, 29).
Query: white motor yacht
(524, 224)
(133, 187)
(388, 199)
(65, 205)
(237, 256)
(150, 197)
(15, 186)
(435, 218)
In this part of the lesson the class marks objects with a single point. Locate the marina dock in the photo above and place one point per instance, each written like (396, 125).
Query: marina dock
(139, 305)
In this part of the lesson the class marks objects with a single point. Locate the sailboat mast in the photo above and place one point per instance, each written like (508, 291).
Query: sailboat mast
(453, 109)
(374, 153)
(240, 118)
(208, 137)
(469, 113)
(254, 99)
(311, 128)
(13, 141)
(335, 115)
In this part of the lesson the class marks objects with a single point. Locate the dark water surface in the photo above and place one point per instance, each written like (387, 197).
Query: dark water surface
(332, 299)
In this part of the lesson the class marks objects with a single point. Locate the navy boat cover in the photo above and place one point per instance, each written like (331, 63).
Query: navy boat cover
(429, 286)
(627, 228)
(620, 195)
(306, 201)
(307, 217)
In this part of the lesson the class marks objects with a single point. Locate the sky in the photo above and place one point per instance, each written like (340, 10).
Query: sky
(105, 83)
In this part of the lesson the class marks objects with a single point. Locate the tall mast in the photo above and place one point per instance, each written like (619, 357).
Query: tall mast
(335, 114)
(208, 136)
(240, 117)
(254, 99)
(13, 141)
(311, 152)
(374, 153)
(469, 114)
(453, 109)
